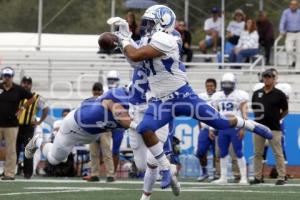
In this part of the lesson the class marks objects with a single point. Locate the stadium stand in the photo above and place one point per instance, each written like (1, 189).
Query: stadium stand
(67, 75)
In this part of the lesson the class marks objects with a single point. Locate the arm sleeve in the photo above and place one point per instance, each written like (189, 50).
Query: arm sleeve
(244, 96)
(206, 25)
(42, 103)
(163, 42)
(284, 103)
(253, 100)
(282, 23)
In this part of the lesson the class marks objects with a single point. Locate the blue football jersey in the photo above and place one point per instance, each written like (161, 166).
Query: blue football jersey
(92, 117)
(139, 87)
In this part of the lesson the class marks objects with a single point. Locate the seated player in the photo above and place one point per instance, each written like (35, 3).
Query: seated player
(231, 101)
(84, 124)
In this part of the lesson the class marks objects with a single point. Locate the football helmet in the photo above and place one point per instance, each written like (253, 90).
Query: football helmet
(113, 79)
(228, 83)
(157, 18)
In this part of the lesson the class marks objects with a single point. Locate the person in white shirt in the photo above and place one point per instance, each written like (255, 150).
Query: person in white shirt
(247, 45)
(234, 30)
(212, 28)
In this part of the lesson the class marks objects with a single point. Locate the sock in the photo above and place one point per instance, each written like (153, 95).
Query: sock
(204, 170)
(46, 149)
(150, 179)
(243, 167)
(158, 152)
(242, 123)
(145, 197)
(38, 142)
(223, 165)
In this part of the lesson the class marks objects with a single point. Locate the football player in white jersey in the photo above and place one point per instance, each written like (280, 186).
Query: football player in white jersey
(231, 101)
(205, 137)
(169, 86)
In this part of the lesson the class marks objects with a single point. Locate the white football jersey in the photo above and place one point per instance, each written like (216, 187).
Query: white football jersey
(206, 97)
(229, 104)
(166, 74)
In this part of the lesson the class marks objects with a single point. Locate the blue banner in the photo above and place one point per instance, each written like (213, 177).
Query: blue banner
(187, 130)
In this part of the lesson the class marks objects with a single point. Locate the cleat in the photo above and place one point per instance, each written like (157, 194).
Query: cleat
(175, 185)
(166, 179)
(263, 131)
(220, 181)
(203, 178)
(31, 147)
(243, 182)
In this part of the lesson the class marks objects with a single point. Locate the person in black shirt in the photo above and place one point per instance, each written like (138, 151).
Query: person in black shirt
(269, 106)
(10, 96)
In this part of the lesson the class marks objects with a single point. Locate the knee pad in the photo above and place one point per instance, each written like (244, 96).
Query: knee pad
(141, 164)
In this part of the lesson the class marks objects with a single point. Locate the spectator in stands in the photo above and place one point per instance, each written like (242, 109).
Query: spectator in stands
(236, 27)
(28, 122)
(247, 45)
(234, 30)
(186, 40)
(133, 27)
(11, 95)
(266, 34)
(103, 144)
(270, 106)
(212, 28)
(290, 26)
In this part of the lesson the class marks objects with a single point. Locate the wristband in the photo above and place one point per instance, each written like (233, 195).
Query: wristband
(125, 43)
(133, 125)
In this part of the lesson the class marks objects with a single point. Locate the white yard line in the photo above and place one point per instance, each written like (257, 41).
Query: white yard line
(140, 182)
(52, 190)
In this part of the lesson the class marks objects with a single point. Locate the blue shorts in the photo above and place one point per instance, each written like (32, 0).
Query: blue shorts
(227, 137)
(204, 143)
(182, 102)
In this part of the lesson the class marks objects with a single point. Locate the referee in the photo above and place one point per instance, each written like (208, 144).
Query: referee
(269, 106)
(28, 122)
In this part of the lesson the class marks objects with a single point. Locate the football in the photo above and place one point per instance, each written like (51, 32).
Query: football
(108, 41)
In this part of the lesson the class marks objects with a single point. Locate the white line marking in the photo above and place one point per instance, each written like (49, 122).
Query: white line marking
(140, 182)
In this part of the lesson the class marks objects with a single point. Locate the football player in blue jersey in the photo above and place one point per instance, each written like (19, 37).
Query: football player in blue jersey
(84, 124)
(168, 83)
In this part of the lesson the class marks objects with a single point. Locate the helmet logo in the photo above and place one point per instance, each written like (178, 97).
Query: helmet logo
(166, 17)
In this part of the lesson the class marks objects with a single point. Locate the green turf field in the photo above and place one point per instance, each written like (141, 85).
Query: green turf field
(58, 189)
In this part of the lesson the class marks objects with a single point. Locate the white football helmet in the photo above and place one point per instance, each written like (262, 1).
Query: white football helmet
(158, 18)
(113, 79)
(228, 83)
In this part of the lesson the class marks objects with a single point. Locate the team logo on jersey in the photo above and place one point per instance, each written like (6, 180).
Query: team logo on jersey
(260, 94)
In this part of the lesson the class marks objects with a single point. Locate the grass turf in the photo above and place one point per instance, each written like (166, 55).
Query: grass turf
(62, 189)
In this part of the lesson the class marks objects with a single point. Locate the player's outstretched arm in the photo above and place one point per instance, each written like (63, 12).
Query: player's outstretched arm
(142, 53)
(119, 112)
